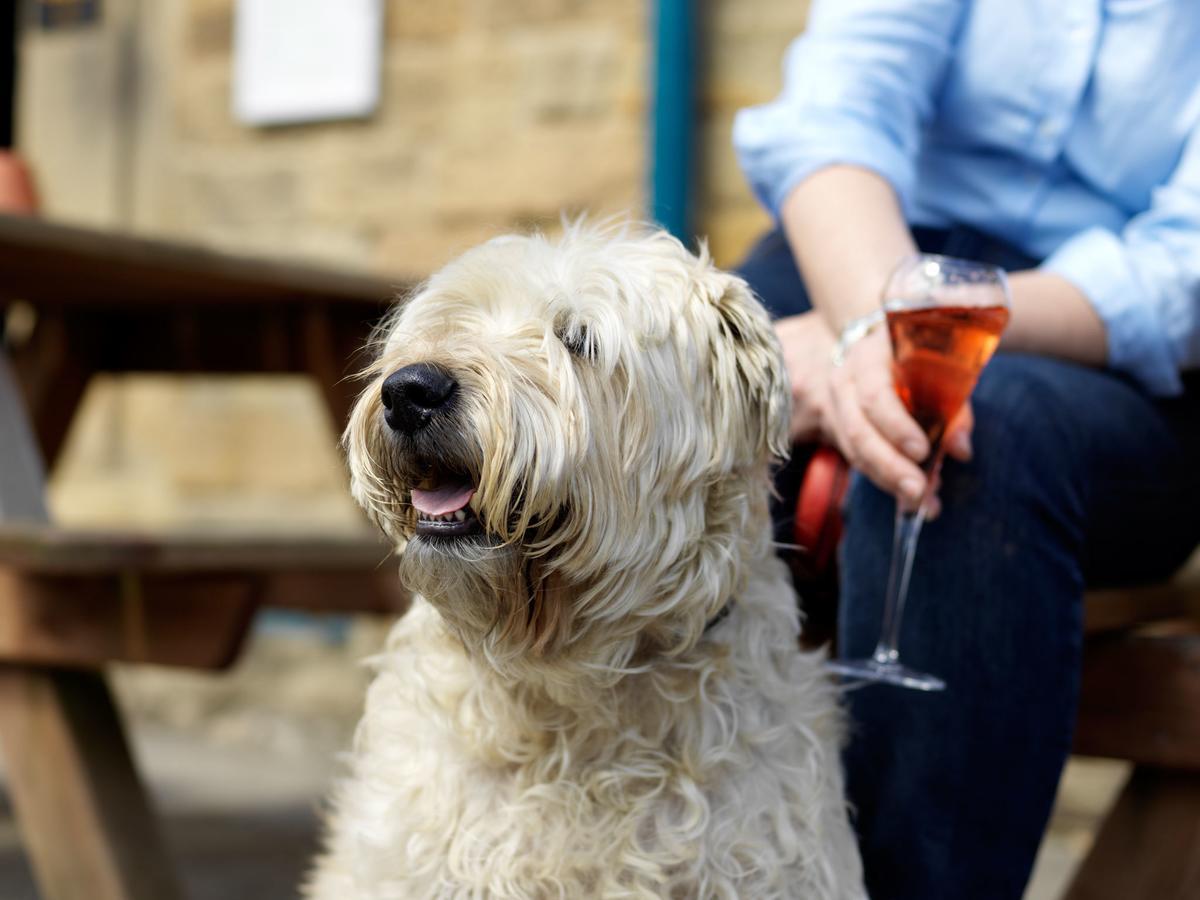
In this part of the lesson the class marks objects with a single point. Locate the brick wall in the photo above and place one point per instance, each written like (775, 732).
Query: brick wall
(494, 115)
(745, 42)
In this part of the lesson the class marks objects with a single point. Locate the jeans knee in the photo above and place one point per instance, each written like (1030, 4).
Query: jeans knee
(1025, 430)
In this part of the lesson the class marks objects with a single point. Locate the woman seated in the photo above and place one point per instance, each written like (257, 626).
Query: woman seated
(1058, 139)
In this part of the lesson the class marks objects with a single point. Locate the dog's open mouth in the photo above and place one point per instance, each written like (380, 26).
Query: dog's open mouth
(442, 502)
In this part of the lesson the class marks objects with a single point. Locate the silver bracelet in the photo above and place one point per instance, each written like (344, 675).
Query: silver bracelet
(855, 331)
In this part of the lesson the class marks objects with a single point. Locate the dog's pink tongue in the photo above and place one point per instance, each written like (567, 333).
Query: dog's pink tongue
(443, 499)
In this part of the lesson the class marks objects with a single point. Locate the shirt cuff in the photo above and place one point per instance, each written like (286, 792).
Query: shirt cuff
(1097, 262)
(776, 154)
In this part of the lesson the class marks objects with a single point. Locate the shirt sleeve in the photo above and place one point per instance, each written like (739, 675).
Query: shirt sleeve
(858, 86)
(1145, 281)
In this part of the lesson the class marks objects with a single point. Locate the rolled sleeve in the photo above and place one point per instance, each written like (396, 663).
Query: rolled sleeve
(1145, 282)
(858, 87)
(825, 138)
(1097, 262)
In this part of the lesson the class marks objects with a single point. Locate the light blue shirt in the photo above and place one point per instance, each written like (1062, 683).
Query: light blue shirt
(1068, 128)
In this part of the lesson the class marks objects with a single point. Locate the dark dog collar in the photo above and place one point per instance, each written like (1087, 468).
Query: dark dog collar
(722, 614)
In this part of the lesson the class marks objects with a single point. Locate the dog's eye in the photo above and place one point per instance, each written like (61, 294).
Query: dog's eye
(577, 339)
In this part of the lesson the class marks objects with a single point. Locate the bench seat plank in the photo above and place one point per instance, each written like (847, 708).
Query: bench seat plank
(49, 550)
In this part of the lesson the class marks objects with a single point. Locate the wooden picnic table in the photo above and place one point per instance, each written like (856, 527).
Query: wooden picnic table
(71, 602)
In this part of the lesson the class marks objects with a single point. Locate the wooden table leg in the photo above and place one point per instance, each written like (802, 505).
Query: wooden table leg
(84, 817)
(1149, 845)
(53, 374)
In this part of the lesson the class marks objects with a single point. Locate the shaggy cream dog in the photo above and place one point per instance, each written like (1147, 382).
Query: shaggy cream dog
(597, 692)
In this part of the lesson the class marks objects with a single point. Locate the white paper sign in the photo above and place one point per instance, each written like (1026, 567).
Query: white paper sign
(306, 60)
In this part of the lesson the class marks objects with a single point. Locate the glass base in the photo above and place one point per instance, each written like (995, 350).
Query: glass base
(885, 673)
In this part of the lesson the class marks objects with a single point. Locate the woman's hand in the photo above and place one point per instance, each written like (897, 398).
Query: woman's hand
(873, 429)
(807, 350)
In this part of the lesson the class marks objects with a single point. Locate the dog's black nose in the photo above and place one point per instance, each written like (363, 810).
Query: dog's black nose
(413, 395)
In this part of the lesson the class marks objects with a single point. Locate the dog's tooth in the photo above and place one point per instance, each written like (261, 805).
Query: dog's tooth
(460, 516)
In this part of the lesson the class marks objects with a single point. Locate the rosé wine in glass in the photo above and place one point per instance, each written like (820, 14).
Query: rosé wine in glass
(938, 354)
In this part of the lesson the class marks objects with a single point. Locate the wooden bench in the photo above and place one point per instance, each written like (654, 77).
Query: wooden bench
(88, 598)
(1140, 701)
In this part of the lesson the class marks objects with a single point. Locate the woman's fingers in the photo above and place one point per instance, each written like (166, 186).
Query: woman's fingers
(958, 435)
(882, 406)
(874, 430)
(933, 506)
(868, 450)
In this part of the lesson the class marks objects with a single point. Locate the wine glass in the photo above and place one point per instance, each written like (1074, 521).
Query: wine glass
(945, 317)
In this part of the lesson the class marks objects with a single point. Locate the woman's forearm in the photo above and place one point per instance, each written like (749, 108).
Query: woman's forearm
(847, 233)
(1052, 317)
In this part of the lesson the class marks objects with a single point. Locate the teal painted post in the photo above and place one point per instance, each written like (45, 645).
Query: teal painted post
(672, 155)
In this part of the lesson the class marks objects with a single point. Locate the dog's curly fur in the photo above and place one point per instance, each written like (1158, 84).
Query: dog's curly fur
(552, 718)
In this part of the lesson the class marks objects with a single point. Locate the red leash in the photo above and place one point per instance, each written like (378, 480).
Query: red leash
(818, 524)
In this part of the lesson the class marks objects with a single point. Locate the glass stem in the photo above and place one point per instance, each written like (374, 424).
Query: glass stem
(904, 549)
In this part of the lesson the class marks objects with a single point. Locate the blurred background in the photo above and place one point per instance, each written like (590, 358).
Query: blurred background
(456, 120)
(491, 115)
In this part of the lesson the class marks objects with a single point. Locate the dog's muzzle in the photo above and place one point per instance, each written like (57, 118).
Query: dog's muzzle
(412, 396)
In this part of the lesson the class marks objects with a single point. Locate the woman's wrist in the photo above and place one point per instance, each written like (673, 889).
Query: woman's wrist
(854, 331)
(1052, 317)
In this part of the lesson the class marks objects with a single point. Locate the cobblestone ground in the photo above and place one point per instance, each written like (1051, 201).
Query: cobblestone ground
(239, 764)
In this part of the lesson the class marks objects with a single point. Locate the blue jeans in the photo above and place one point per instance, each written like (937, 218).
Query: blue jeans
(1078, 480)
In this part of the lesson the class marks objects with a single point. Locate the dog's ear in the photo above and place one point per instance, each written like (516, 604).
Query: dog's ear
(751, 382)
